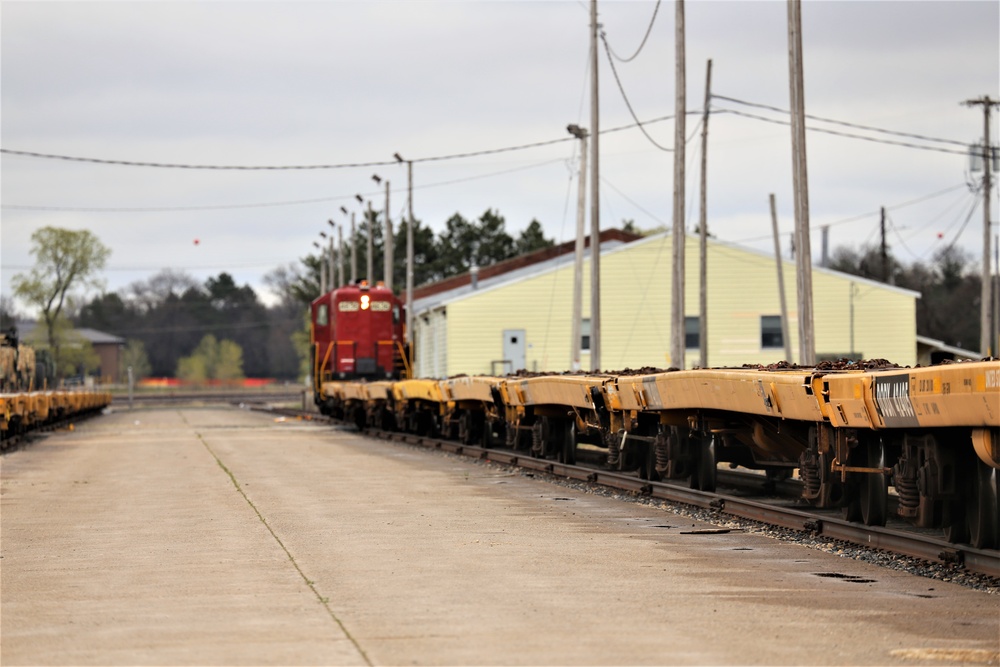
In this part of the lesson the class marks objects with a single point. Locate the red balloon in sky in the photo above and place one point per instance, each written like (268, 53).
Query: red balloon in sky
(196, 241)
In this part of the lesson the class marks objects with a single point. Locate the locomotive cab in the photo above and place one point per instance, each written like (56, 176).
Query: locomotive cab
(357, 333)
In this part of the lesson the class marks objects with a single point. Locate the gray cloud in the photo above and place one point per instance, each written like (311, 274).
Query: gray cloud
(333, 82)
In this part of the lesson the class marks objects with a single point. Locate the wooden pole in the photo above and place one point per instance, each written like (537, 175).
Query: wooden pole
(387, 243)
(354, 250)
(340, 255)
(595, 200)
(803, 257)
(703, 229)
(409, 258)
(679, 241)
(781, 283)
(581, 215)
(985, 317)
(370, 274)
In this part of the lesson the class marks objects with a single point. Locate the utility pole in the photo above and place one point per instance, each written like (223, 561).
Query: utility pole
(389, 250)
(340, 255)
(703, 224)
(581, 214)
(409, 254)
(781, 283)
(371, 246)
(354, 251)
(985, 317)
(996, 296)
(322, 269)
(595, 200)
(884, 251)
(333, 265)
(677, 284)
(807, 345)
(825, 246)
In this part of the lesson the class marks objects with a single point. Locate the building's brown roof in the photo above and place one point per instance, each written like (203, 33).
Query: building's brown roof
(518, 262)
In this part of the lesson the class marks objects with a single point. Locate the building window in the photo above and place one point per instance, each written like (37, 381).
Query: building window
(585, 334)
(770, 331)
(692, 333)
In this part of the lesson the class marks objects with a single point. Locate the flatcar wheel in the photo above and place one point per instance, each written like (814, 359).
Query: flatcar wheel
(705, 471)
(649, 471)
(981, 507)
(874, 489)
(568, 454)
(464, 431)
(957, 531)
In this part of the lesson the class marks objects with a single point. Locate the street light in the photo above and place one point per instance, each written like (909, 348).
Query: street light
(387, 254)
(354, 248)
(371, 241)
(409, 252)
(340, 249)
(577, 325)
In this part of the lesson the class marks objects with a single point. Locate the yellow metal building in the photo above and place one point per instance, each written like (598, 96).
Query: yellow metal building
(522, 319)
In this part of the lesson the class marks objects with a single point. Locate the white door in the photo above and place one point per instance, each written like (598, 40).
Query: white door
(514, 347)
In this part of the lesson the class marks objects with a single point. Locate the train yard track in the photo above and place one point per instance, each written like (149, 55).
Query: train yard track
(776, 511)
(294, 394)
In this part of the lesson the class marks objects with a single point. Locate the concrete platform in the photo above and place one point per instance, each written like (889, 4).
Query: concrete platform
(223, 537)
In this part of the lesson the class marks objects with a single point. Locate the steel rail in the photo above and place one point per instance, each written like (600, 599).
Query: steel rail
(224, 396)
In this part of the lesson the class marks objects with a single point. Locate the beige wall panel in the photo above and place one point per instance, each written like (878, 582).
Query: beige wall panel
(635, 313)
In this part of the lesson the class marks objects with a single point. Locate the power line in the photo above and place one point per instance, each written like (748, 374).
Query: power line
(167, 209)
(842, 122)
(844, 134)
(167, 165)
(649, 29)
(493, 151)
(862, 216)
(346, 165)
(621, 89)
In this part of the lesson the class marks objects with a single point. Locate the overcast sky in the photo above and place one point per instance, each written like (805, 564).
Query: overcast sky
(340, 83)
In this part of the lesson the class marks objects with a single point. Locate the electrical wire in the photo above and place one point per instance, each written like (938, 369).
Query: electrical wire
(841, 122)
(844, 134)
(346, 165)
(628, 104)
(643, 43)
(167, 209)
(958, 234)
(862, 216)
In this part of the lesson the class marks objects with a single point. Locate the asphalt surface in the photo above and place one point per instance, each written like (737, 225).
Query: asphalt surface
(217, 536)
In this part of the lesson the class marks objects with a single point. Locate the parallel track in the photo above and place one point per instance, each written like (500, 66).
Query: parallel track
(174, 397)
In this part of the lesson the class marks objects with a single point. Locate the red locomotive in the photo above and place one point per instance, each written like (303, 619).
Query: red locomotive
(357, 333)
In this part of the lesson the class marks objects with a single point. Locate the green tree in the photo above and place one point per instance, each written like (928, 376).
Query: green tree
(947, 309)
(77, 357)
(532, 239)
(866, 263)
(64, 260)
(463, 244)
(228, 361)
(212, 360)
(134, 356)
(303, 346)
(193, 369)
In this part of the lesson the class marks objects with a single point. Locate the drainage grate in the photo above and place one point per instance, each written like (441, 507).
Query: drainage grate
(846, 577)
